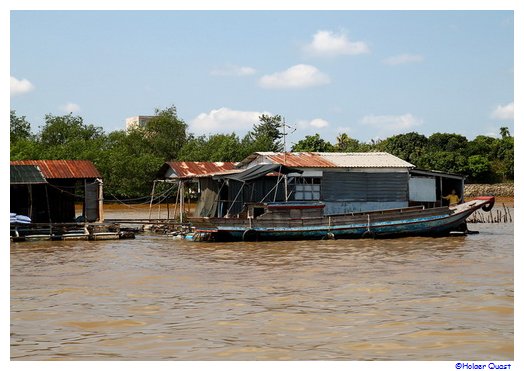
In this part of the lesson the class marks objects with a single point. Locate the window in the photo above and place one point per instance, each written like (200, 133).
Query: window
(307, 189)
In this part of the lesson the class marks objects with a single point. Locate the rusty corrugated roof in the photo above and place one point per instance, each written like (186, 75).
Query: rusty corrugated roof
(327, 160)
(63, 169)
(300, 159)
(194, 169)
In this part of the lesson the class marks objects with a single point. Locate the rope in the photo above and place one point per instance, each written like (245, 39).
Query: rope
(165, 195)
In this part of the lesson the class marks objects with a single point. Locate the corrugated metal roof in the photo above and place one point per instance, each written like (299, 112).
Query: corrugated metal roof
(365, 159)
(437, 173)
(190, 169)
(63, 169)
(26, 174)
(330, 159)
(300, 159)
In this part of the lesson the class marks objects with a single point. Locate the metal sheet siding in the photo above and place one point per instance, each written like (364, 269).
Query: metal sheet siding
(91, 201)
(365, 187)
(422, 189)
(63, 169)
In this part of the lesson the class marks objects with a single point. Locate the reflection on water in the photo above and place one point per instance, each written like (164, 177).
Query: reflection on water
(155, 298)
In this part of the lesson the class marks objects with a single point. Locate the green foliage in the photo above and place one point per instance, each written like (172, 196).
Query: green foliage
(409, 147)
(347, 144)
(478, 166)
(130, 160)
(165, 133)
(20, 128)
(446, 161)
(447, 142)
(128, 166)
(266, 136)
(63, 130)
(219, 147)
(505, 159)
(504, 132)
(312, 143)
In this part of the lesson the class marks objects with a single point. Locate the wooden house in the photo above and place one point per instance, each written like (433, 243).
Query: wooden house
(47, 190)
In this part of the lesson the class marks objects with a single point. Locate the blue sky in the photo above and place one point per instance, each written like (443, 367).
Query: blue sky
(370, 74)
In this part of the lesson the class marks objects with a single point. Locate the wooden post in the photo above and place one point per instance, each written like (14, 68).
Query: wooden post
(167, 206)
(151, 202)
(176, 201)
(100, 200)
(30, 201)
(181, 201)
(285, 188)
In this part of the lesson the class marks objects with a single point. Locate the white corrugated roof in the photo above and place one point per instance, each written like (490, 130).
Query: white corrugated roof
(364, 159)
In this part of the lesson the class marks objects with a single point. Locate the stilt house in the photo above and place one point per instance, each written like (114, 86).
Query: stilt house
(47, 190)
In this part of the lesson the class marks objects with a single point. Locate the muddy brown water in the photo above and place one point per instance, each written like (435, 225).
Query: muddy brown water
(155, 298)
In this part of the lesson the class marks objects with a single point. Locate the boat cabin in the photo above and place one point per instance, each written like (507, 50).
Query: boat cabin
(342, 182)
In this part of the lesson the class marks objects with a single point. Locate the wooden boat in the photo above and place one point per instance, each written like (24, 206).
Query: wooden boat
(306, 220)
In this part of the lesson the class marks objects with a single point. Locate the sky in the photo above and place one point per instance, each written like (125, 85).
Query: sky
(370, 74)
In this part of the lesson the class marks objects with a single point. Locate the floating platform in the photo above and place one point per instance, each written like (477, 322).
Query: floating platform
(68, 232)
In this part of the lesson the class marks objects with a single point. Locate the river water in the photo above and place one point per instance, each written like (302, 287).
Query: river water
(155, 298)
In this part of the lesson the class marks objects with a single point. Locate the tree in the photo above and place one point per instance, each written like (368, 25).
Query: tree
(65, 137)
(218, 147)
(409, 147)
(446, 161)
(479, 168)
(482, 145)
(22, 144)
(266, 136)
(504, 132)
(166, 133)
(128, 165)
(447, 142)
(61, 130)
(312, 143)
(347, 144)
(20, 128)
(505, 158)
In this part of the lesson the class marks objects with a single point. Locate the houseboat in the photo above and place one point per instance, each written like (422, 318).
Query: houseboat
(305, 195)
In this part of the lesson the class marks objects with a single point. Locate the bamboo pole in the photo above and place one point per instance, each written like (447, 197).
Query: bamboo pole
(151, 202)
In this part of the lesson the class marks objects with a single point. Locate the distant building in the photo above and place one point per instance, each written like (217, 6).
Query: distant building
(137, 121)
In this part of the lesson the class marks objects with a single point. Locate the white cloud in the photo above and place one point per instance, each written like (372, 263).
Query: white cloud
(70, 107)
(232, 70)
(295, 77)
(503, 112)
(392, 124)
(330, 44)
(225, 120)
(315, 123)
(19, 87)
(403, 59)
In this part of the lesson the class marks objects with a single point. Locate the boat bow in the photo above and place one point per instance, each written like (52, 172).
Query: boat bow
(484, 202)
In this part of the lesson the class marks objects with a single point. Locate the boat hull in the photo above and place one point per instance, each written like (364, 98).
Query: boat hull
(385, 224)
